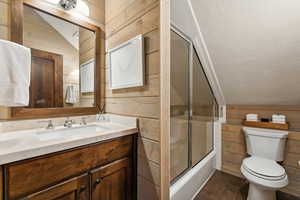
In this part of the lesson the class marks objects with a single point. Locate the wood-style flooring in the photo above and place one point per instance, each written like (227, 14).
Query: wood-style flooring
(223, 186)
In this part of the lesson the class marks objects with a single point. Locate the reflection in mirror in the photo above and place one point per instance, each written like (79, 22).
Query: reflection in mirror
(63, 57)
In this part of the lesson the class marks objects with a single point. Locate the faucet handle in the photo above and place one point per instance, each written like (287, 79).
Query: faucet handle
(83, 120)
(50, 124)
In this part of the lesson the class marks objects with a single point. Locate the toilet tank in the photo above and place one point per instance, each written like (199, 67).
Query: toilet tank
(265, 143)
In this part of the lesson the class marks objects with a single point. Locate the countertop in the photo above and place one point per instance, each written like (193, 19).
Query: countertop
(21, 145)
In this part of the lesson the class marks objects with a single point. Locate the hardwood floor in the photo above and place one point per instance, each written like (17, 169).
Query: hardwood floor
(223, 186)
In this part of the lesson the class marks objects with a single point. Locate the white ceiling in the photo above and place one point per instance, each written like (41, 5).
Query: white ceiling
(255, 48)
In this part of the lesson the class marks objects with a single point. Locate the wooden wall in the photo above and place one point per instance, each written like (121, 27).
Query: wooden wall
(1, 183)
(86, 53)
(234, 148)
(125, 20)
(236, 113)
(4, 35)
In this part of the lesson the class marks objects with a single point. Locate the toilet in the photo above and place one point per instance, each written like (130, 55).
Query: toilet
(261, 169)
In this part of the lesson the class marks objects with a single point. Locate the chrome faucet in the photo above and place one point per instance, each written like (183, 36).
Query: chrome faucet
(50, 124)
(68, 123)
(100, 115)
(83, 121)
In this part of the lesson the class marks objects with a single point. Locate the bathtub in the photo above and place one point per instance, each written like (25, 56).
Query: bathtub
(188, 186)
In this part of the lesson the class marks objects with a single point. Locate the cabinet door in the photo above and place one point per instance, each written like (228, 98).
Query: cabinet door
(113, 181)
(73, 189)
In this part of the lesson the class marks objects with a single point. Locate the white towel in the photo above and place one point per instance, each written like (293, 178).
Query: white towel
(70, 95)
(15, 68)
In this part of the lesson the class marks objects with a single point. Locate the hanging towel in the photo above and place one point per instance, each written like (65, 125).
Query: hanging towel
(70, 95)
(15, 68)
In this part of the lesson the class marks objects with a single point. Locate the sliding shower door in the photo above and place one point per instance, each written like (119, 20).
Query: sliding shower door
(202, 112)
(192, 107)
(179, 105)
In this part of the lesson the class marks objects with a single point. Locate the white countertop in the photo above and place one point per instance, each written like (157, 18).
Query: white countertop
(20, 145)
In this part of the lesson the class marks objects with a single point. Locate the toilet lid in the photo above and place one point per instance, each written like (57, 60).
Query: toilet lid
(264, 167)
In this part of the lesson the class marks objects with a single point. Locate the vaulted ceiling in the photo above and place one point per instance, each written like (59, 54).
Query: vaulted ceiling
(254, 46)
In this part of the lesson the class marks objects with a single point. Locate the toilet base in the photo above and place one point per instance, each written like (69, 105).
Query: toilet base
(257, 192)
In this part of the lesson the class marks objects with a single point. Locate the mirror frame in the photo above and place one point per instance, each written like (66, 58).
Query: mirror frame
(17, 36)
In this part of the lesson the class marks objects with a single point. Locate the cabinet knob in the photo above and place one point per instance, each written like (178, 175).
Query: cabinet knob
(82, 188)
(98, 181)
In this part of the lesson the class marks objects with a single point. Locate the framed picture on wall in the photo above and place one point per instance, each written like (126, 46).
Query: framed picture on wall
(127, 64)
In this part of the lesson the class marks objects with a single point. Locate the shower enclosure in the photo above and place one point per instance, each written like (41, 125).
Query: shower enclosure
(193, 107)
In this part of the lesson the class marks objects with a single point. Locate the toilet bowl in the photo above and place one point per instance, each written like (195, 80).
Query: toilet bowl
(265, 177)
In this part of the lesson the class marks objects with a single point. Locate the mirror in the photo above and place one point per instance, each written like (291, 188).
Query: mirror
(63, 61)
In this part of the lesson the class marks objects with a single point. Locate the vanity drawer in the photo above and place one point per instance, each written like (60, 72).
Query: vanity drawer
(25, 177)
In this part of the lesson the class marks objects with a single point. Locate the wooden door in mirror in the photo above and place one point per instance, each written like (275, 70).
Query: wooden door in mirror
(65, 96)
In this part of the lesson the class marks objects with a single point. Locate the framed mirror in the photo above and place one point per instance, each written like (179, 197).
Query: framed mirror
(66, 58)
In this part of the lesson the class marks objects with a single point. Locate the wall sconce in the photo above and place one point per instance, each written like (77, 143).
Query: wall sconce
(68, 4)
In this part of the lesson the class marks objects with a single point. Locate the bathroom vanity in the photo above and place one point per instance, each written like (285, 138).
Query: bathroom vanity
(75, 161)
(98, 162)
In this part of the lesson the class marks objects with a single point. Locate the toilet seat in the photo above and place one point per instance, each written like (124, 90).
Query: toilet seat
(264, 168)
(264, 172)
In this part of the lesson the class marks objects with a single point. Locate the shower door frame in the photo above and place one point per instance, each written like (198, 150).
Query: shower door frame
(176, 30)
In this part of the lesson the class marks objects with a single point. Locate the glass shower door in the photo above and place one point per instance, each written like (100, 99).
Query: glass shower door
(179, 104)
(202, 106)
(193, 107)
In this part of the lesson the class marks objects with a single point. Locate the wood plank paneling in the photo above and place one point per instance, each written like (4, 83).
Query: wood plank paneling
(125, 20)
(150, 128)
(127, 13)
(236, 113)
(1, 183)
(135, 106)
(151, 89)
(145, 24)
(4, 10)
(149, 149)
(4, 32)
(234, 151)
(149, 170)
(165, 91)
(5, 35)
(147, 189)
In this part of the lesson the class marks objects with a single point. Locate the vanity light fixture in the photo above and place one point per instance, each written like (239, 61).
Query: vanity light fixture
(83, 8)
(68, 4)
(53, 1)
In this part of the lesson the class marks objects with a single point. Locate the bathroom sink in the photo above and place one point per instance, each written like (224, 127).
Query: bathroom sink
(62, 132)
(108, 126)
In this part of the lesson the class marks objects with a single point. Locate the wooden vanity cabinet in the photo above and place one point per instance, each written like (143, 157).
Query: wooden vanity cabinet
(101, 171)
(112, 181)
(77, 188)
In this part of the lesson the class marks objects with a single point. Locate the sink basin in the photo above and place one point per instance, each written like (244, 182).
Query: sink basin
(108, 126)
(62, 132)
